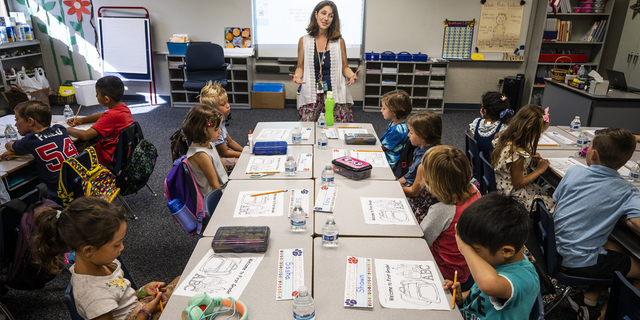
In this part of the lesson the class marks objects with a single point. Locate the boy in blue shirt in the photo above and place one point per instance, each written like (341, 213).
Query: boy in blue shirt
(396, 106)
(49, 145)
(590, 202)
(490, 234)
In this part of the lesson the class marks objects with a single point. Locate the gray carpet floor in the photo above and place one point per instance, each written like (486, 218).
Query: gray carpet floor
(156, 249)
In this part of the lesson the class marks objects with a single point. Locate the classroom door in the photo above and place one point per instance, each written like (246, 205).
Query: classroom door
(629, 46)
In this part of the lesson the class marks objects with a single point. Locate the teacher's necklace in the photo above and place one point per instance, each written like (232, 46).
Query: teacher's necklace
(321, 61)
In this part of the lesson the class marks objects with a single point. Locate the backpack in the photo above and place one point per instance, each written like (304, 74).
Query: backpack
(405, 159)
(179, 145)
(179, 184)
(139, 167)
(85, 176)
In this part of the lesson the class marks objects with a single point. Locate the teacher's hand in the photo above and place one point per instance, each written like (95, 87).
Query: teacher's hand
(353, 78)
(296, 79)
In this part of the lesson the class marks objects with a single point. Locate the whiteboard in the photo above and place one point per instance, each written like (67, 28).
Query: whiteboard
(125, 48)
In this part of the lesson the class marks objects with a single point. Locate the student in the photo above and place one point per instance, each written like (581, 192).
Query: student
(515, 149)
(216, 96)
(425, 132)
(446, 172)
(396, 106)
(109, 91)
(495, 115)
(202, 128)
(590, 202)
(490, 234)
(49, 145)
(94, 229)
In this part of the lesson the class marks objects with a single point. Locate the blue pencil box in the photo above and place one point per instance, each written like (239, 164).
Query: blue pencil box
(267, 148)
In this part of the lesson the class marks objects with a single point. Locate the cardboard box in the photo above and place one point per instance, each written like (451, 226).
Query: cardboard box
(15, 97)
(267, 96)
(42, 95)
(599, 88)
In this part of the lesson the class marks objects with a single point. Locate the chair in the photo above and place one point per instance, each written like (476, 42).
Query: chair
(545, 233)
(204, 61)
(488, 175)
(537, 313)
(71, 302)
(473, 154)
(624, 300)
(210, 202)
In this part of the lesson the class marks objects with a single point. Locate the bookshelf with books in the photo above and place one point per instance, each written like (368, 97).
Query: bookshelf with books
(576, 29)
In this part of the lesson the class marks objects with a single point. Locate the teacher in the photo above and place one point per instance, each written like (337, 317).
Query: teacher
(322, 63)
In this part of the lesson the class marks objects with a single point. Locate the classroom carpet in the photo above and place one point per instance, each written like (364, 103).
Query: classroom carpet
(155, 247)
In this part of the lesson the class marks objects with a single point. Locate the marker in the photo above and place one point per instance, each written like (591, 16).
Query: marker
(455, 279)
(266, 193)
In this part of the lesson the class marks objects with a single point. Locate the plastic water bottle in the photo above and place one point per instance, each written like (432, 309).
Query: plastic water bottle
(296, 135)
(582, 72)
(328, 108)
(583, 140)
(575, 124)
(330, 233)
(303, 307)
(323, 141)
(10, 134)
(322, 121)
(298, 219)
(68, 113)
(183, 215)
(634, 173)
(290, 166)
(250, 140)
(328, 175)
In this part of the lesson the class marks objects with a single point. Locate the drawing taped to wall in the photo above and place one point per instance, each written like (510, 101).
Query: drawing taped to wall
(499, 27)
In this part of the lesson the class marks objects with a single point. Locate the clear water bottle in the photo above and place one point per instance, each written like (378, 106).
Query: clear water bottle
(68, 113)
(582, 72)
(298, 219)
(634, 173)
(328, 175)
(290, 166)
(322, 121)
(296, 135)
(575, 124)
(303, 307)
(250, 142)
(583, 140)
(10, 133)
(330, 233)
(323, 141)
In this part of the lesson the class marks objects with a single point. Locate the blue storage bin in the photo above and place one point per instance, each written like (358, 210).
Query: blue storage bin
(404, 56)
(268, 87)
(267, 148)
(178, 48)
(420, 57)
(388, 56)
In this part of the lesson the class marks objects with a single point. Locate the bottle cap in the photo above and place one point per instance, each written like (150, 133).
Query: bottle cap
(329, 94)
(330, 219)
(328, 166)
(303, 290)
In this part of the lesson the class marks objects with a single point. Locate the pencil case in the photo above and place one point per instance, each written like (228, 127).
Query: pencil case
(267, 148)
(352, 168)
(360, 138)
(241, 239)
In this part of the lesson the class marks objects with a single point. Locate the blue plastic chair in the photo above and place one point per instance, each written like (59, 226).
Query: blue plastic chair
(71, 302)
(488, 176)
(537, 313)
(624, 300)
(473, 154)
(210, 202)
(204, 61)
(546, 235)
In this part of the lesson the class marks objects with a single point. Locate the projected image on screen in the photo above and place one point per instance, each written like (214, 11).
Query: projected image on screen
(279, 24)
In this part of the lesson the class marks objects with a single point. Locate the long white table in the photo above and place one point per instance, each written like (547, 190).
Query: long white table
(239, 172)
(329, 273)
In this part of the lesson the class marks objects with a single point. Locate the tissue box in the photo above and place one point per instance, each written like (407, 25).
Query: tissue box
(599, 88)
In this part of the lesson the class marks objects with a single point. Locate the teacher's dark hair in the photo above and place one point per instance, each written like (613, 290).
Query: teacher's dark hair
(333, 33)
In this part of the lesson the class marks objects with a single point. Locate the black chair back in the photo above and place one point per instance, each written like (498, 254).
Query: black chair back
(127, 141)
(624, 300)
(473, 154)
(488, 175)
(204, 62)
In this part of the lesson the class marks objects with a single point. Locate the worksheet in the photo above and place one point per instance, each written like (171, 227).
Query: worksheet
(290, 273)
(561, 165)
(266, 164)
(274, 134)
(299, 196)
(577, 133)
(220, 275)
(331, 133)
(559, 137)
(387, 211)
(546, 141)
(257, 204)
(358, 284)
(406, 284)
(341, 132)
(375, 158)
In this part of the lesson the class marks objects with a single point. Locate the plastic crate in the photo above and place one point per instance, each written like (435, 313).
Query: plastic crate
(178, 48)
(86, 92)
(268, 87)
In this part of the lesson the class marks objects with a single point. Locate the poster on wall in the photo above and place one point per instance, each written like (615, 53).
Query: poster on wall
(499, 27)
(237, 37)
(458, 36)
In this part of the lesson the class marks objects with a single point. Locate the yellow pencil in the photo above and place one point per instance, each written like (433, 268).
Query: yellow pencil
(265, 193)
(455, 279)
(77, 112)
(349, 127)
(161, 307)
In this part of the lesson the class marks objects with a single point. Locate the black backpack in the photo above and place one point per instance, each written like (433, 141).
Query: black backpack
(405, 159)
(139, 168)
(179, 145)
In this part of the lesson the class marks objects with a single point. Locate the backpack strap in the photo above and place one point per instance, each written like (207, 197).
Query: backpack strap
(200, 214)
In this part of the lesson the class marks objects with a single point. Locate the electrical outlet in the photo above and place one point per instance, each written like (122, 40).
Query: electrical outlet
(500, 81)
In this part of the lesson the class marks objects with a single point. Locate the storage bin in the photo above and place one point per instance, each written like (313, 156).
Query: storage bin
(86, 92)
(388, 56)
(551, 57)
(372, 56)
(241, 239)
(420, 57)
(267, 148)
(177, 48)
(404, 56)
(352, 168)
(267, 96)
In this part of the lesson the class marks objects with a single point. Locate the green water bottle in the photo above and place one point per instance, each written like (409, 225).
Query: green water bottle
(328, 108)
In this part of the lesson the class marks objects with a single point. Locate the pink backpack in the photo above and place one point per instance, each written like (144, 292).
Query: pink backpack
(180, 184)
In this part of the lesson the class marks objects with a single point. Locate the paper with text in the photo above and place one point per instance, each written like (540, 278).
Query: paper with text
(274, 134)
(331, 133)
(546, 141)
(306, 133)
(305, 161)
(268, 205)
(377, 159)
(559, 137)
(341, 132)
(339, 153)
(561, 165)
(387, 211)
(290, 273)
(358, 284)
(326, 199)
(266, 164)
(299, 196)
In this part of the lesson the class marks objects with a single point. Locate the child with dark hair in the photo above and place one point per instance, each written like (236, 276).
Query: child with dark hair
(396, 106)
(108, 125)
(94, 229)
(49, 145)
(495, 114)
(491, 234)
(590, 202)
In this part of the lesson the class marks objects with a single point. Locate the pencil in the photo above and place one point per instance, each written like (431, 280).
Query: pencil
(270, 192)
(455, 279)
(160, 302)
(349, 127)
(76, 117)
(264, 172)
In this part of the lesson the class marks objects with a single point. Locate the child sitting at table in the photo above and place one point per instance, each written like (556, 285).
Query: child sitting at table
(49, 145)
(425, 132)
(202, 128)
(490, 235)
(95, 229)
(515, 148)
(495, 115)
(591, 200)
(215, 95)
(109, 91)
(446, 172)
(396, 106)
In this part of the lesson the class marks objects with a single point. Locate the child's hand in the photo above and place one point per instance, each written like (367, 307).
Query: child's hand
(154, 306)
(150, 288)
(73, 123)
(5, 156)
(448, 284)
(543, 164)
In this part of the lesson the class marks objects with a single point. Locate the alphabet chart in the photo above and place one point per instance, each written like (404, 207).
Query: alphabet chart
(290, 273)
(358, 286)
(387, 211)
